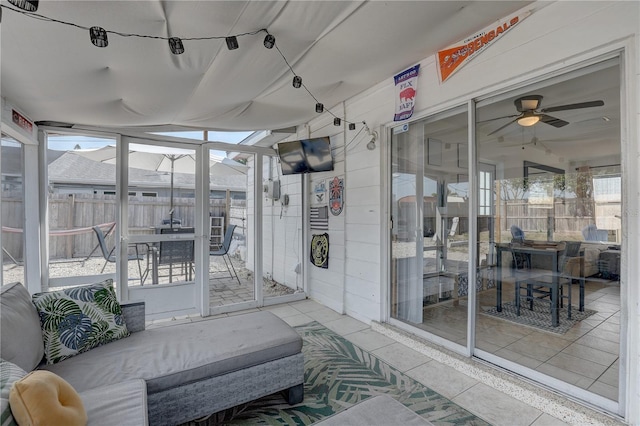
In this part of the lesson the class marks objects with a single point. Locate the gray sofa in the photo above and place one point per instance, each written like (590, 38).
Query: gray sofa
(180, 372)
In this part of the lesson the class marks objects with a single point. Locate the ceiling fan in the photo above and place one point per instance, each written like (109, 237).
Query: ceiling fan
(529, 115)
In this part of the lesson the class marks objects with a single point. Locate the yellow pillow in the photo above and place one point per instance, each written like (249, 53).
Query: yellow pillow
(44, 398)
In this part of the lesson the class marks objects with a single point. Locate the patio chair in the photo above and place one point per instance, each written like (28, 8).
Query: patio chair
(177, 252)
(224, 251)
(110, 257)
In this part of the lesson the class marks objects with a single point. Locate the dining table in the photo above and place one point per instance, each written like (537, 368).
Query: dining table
(543, 250)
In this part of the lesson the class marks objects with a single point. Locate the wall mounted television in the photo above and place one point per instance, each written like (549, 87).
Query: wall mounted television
(305, 156)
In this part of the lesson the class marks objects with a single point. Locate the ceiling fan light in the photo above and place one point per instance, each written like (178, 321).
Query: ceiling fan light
(176, 46)
(528, 120)
(98, 36)
(28, 5)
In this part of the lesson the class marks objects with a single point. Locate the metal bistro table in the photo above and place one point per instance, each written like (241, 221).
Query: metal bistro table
(552, 253)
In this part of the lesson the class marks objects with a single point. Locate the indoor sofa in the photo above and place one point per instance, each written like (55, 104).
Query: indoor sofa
(173, 374)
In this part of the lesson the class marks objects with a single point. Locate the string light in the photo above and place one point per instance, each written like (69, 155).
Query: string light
(99, 37)
(232, 42)
(28, 5)
(269, 41)
(176, 46)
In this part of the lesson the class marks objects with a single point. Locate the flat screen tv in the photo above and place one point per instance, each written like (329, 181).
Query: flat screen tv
(305, 156)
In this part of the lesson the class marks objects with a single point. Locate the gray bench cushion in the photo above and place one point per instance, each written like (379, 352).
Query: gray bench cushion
(20, 331)
(174, 355)
(116, 405)
(380, 410)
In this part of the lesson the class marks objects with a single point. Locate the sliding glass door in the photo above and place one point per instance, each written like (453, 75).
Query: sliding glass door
(430, 235)
(548, 232)
(551, 245)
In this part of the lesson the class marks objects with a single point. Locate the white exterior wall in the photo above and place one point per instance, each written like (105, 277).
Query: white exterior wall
(554, 37)
(281, 228)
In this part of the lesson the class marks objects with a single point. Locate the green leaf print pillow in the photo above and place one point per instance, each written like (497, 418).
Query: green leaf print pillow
(77, 319)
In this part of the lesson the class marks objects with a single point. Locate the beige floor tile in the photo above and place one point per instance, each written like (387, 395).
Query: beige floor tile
(442, 379)
(495, 407)
(605, 390)
(577, 365)
(307, 305)
(296, 320)
(603, 345)
(610, 377)
(324, 315)
(561, 374)
(369, 340)
(345, 325)
(281, 310)
(518, 357)
(591, 354)
(532, 350)
(401, 357)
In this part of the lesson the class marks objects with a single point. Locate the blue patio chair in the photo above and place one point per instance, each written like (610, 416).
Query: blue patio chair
(224, 251)
(110, 257)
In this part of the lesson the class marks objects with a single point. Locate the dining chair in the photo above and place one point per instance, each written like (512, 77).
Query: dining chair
(566, 273)
(110, 257)
(541, 284)
(224, 251)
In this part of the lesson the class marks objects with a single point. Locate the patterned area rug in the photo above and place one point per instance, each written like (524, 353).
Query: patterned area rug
(338, 375)
(540, 316)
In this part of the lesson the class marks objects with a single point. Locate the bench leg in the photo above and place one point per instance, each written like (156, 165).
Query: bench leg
(295, 394)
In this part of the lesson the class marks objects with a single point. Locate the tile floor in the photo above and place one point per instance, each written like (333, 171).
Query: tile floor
(477, 396)
(586, 356)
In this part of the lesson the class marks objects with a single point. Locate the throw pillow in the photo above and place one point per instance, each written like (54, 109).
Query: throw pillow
(77, 319)
(9, 374)
(44, 398)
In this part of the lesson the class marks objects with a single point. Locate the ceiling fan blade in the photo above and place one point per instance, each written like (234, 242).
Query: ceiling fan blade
(498, 118)
(580, 105)
(555, 122)
(500, 128)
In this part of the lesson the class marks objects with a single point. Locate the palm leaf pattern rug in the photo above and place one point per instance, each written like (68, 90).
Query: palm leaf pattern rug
(339, 374)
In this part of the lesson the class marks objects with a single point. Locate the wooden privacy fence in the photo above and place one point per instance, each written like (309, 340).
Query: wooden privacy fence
(82, 211)
(535, 218)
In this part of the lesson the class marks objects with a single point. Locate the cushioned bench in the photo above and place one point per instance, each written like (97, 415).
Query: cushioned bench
(195, 358)
(176, 373)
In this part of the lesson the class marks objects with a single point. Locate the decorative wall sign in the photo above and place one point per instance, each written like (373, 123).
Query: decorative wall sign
(455, 56)
(336, 195)
(319, 193)
(406, 86)
(319, 218)
(320, 250)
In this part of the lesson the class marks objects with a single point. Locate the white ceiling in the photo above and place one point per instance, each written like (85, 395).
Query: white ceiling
(340, 48)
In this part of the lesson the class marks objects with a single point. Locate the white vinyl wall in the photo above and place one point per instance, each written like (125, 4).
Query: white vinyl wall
(557, 36)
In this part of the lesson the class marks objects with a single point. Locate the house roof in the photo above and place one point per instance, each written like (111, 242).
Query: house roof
(70, 168)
